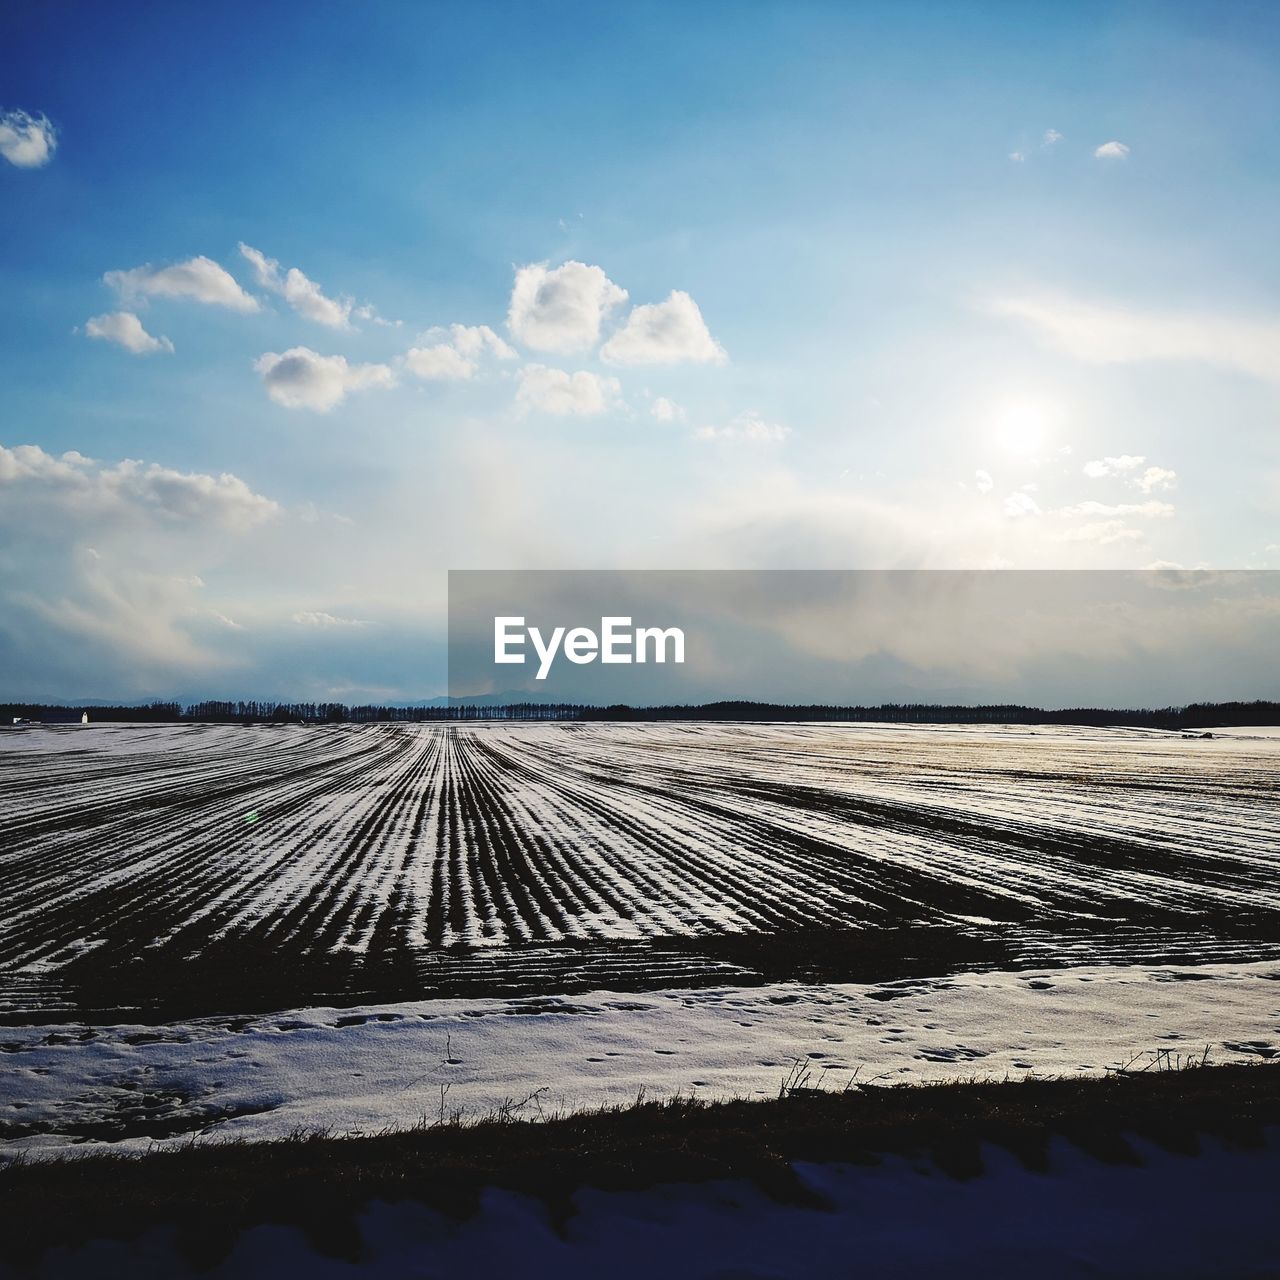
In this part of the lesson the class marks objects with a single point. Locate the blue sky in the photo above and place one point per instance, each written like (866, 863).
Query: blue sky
(907, 285)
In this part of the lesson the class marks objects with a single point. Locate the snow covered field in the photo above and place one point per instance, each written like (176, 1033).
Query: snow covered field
(235, 930)
(396, 860)
(394, 1065)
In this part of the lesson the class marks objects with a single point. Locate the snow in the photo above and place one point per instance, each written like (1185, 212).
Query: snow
(169, 841)
(127, 842)
(359, 1070)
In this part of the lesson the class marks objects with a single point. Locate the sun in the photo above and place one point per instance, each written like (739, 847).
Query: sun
(1024, 427)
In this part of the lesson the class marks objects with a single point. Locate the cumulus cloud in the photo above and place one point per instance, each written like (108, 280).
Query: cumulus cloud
(1110, 333)
(302, 379)
(1111, 151)
(199, 278)
(27, 140)
(554, 391)
(561, 309)
(666, 410)
(1051, 138)
(302, 293)
(125, 330)
(667, 332)
(454, 353)
(747, 426)
(77, 486)
(317, 618)
(442, 362)
(983, 481)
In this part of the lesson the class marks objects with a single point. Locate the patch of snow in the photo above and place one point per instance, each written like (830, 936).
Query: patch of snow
(359, 1070)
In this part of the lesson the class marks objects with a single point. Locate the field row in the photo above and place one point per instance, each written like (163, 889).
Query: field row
(380, 844)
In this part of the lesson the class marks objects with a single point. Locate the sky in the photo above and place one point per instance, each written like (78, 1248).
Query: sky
(1078, 638)
(302, 306)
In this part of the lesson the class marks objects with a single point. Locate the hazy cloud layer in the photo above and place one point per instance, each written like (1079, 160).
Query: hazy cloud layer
(1110, 333)
(1100, 467)
(749, 427)
(318, 618)
(1154, 479)
(1150, 509)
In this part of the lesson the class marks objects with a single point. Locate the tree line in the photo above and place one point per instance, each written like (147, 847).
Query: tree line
(1195, 716)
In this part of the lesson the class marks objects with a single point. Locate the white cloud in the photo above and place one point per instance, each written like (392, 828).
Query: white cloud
(1154, 479)
(1021, 504)
(317, 618)
(200, 279)
(25, 140)
(561, 309)
(1100, 467)
(1103, 532)
(1111, 151)
(76, 486)
(747, 426)
(473, 340)
(984, 481)
(1110, 333)
(667, 332)
(302, 379)
(1048, 140)
(1158, 510)
(455, 352)
(442, 363)
(301, 292)
(666, 410)
(555, 391)
(125, 330)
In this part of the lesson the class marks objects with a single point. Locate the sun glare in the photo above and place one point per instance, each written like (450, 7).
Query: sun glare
(1024, 428)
